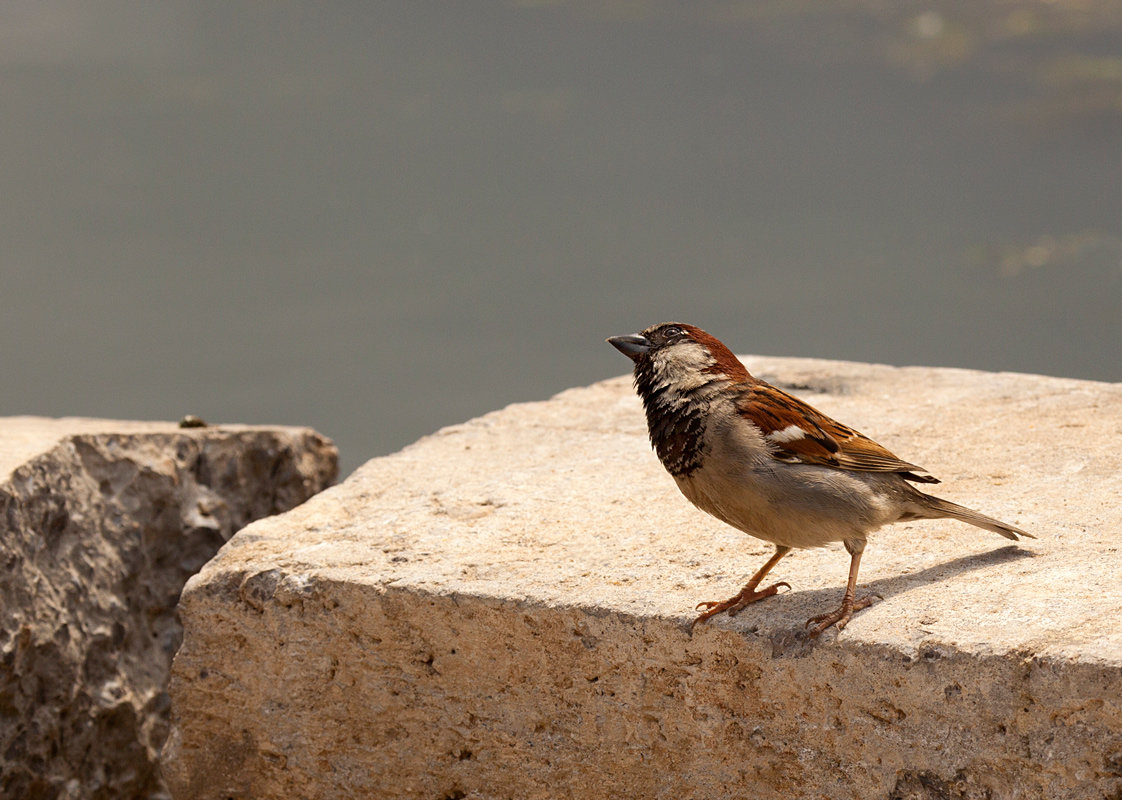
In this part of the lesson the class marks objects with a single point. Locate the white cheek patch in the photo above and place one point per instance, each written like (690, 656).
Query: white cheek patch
(788, 434)
(691, 356)
(684, 364)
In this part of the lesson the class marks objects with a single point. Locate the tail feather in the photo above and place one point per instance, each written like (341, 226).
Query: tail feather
(945, 508)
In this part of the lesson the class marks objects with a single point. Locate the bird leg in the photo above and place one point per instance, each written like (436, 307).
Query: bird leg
(748, 594)
(841, 616)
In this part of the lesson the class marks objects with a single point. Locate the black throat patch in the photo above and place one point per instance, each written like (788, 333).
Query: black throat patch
(675, 420)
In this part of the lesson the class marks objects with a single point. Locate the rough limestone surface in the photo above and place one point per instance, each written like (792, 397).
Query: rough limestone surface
(501, 611)
(101, 524)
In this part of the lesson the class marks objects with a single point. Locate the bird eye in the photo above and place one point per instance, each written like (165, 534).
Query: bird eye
(672, 331)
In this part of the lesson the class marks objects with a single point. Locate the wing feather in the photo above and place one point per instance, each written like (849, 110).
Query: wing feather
(799, 433)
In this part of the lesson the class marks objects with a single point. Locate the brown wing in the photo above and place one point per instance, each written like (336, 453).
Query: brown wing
(800, 433)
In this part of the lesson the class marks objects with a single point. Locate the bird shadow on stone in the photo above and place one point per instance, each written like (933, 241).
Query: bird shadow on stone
(793, 639)
(898, 584)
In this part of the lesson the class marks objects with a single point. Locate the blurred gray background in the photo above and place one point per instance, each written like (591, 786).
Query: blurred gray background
(381, 218)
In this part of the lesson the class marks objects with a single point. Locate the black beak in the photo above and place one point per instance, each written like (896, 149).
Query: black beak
(633, 345)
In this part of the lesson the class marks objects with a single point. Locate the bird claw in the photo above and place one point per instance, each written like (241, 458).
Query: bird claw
(839, 617)
(733, 605)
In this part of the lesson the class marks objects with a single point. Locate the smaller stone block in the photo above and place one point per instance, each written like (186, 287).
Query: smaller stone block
(101, 524)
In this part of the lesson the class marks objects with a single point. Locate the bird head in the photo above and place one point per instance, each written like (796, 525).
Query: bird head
(679, 354)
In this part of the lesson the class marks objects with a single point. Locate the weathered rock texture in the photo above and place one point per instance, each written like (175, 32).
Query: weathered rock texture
(501, 611)
(101, 524)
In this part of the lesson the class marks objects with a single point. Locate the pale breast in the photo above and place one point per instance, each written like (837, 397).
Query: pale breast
(788, 504)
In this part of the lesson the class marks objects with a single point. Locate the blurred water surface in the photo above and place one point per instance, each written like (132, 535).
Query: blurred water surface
(377, 219)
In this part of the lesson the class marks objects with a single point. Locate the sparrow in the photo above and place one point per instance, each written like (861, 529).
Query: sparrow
(770, 465)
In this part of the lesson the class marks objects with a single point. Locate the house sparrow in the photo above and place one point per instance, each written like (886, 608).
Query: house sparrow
(770, 465)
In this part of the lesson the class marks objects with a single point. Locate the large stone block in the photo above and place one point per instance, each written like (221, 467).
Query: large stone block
(101, 524)
(501, 611)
